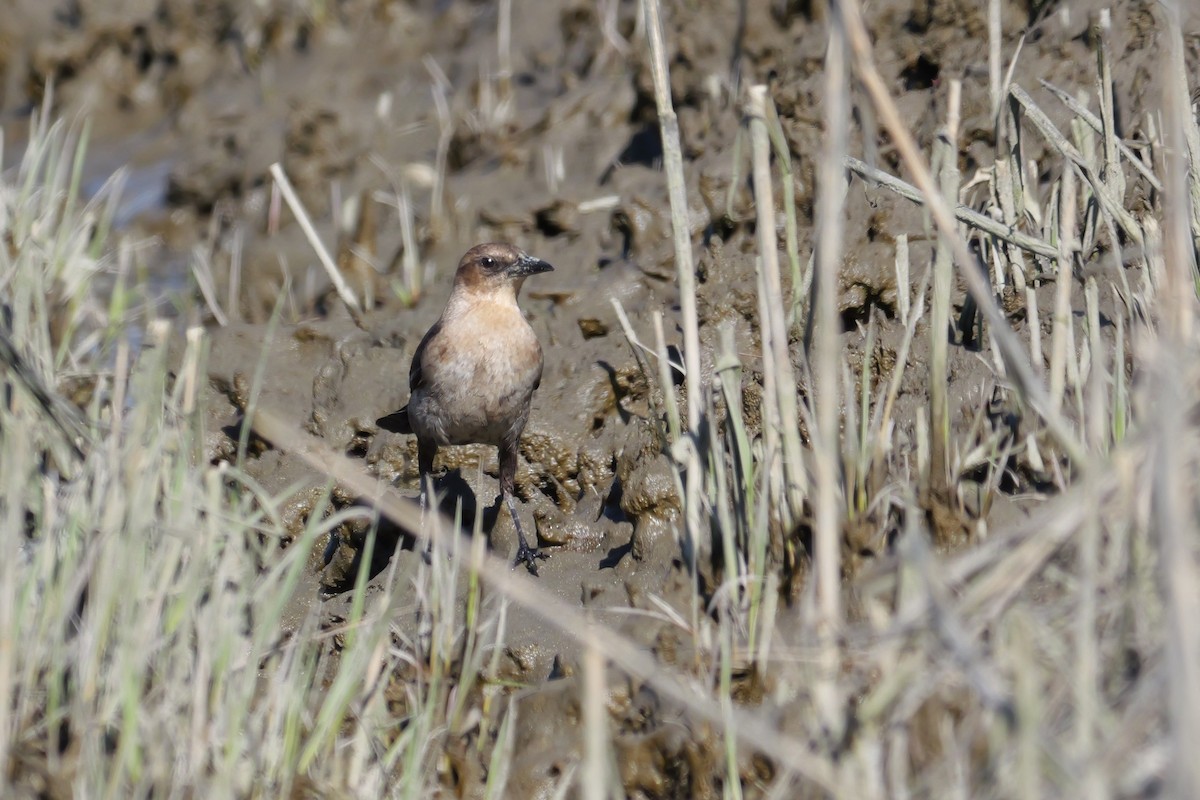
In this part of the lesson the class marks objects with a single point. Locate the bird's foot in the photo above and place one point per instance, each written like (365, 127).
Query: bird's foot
(528, 556)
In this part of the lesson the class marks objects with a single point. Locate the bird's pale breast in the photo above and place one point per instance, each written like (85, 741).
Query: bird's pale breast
(479, 372)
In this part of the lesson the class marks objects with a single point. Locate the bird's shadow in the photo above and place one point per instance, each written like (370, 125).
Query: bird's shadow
(451, 489)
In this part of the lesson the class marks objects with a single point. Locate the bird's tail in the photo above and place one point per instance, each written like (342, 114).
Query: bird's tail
(396, 422)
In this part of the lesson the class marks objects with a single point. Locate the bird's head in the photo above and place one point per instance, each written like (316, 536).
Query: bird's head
(496, 267)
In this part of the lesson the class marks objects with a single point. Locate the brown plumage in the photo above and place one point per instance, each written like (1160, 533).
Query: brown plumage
(474, 373)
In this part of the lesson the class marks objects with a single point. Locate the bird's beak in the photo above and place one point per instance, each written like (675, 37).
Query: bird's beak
(528, 265)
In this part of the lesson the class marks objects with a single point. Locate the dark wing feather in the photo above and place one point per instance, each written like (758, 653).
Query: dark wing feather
(416, 376)
(541, 365)
(397, 421)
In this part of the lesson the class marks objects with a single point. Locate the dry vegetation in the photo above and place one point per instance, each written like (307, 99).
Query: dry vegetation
(141, 647)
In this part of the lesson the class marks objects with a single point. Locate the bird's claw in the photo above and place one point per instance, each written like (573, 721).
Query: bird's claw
(529, 557)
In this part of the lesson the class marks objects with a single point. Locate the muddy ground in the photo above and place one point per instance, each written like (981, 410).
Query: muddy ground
(563, 159)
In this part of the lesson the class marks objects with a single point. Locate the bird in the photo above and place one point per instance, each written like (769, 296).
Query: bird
(474, 373)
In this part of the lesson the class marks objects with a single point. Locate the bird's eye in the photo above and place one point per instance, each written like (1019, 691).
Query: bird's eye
(488, 261)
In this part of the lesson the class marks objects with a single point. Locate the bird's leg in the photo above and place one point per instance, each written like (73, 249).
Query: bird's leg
(508, 473)
(425, 453)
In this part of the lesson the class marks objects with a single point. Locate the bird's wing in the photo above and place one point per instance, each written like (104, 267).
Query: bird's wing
(416, 373)
(397, 421)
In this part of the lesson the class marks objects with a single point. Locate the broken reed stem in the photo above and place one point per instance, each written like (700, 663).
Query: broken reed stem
(504, 52)
(830, 231)
(1174, 522)
(946, 156)
(1019, 645)
(1182, 154)
(339, 284)
(1172, 500)
(772, 466)
(884, 410)
(1108, 203)
(440, 91)
(994, 37)
(677, 190)
(410, 269)
(1183, 124)
(1006, 188)
(1097, 378)
(684, 266)
(1087, 651)
(1111, 172)
(962, 213)
(903, 270)
(733, 783)
(1020, 372)
(233, 303)
(1061, 338)
(594, 778)
(783, 413)
(787, 180)
(202, 272)
(1095, 123)
(828, 508)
